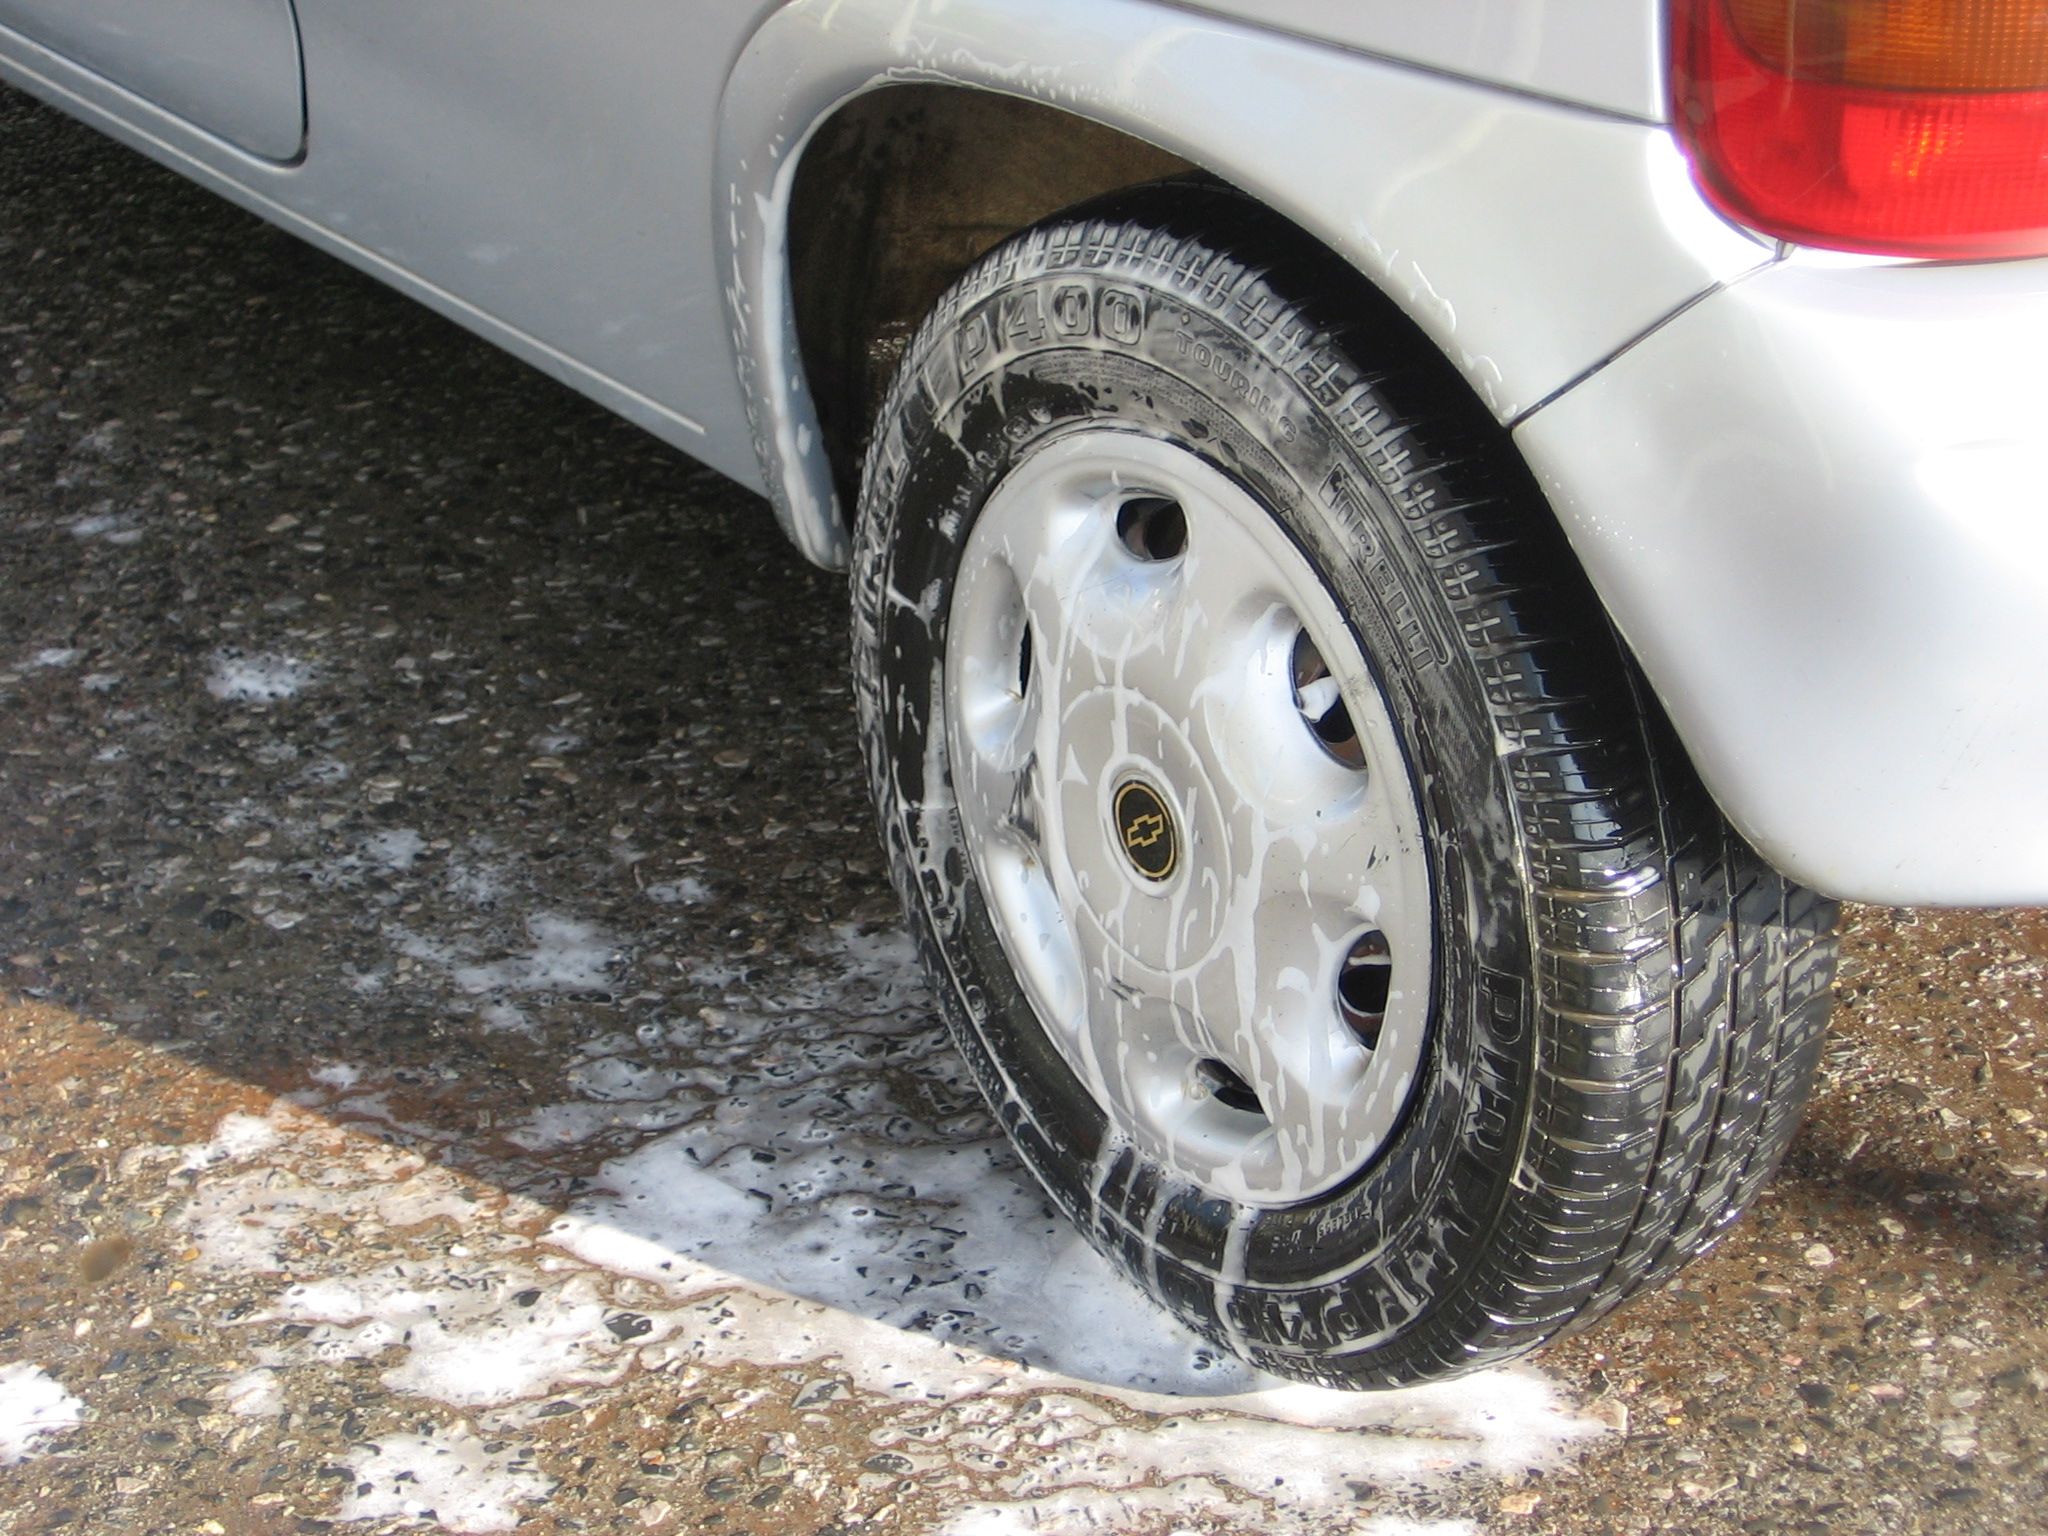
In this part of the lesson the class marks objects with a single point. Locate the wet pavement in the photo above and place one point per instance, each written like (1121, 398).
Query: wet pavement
(459, 1067)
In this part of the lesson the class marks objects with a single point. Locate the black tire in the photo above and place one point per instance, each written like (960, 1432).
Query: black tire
(1626, 1004)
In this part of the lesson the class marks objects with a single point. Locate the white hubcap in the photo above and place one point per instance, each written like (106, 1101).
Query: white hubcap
(1190, 815)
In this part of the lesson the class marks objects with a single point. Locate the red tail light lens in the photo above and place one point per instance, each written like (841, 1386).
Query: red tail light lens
(1907, 127)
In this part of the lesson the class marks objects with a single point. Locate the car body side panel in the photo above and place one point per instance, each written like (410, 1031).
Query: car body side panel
(550, 165)
(1529, 240)
(1607, 54)
(230, 67)
(544, 183)
(1816, 504)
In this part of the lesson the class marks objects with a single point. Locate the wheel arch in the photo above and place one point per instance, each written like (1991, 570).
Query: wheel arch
(1528, 241)
(898, 193)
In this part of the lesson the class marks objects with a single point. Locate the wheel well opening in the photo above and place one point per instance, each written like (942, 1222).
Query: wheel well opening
(906, 186)
(896, 196)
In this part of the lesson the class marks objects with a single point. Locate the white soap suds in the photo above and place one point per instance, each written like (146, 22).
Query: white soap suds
(238, 1136)
(686, 892)
(611, 1080)
(1103, 1510)
(475, 878)
(397, 849)
(453, 1480)
(504, 1019)
(564, 954)
(567, 1125)
(253, 1395)
(490, 1338)
(952, 1240)
(249, 1218)
(390, 852)
(33, 1407)
(257, 679)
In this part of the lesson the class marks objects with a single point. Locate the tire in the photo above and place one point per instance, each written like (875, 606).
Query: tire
(1312, 888)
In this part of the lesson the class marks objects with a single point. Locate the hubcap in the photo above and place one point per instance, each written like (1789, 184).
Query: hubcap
(1187, 806)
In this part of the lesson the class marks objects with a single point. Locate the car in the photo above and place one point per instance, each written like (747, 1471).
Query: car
(1402, 557)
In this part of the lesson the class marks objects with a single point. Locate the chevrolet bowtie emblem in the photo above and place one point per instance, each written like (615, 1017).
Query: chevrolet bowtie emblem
(1145, 827)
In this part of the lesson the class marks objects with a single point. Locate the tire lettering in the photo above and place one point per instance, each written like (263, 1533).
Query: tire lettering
(1022, 318)
(1236, 380)
(1072, 313)
(1120, 316)
(975, 344)
(1502, 994)
(939, 378)
(1417, 638)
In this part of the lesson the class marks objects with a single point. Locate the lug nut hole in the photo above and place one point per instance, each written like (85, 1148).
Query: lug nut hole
(1153, 527)
(1227, 1088)
(1321, 705)
(1364, 983)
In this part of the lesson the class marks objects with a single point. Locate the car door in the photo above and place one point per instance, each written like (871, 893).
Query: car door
(230, 67)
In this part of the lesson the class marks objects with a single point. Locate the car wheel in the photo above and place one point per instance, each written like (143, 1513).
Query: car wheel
(1309, 884)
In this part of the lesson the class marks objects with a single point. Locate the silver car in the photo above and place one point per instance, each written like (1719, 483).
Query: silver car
(1397, 549)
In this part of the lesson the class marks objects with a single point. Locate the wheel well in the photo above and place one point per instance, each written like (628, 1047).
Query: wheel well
(902, 189)
(906, 187)
(896, 196)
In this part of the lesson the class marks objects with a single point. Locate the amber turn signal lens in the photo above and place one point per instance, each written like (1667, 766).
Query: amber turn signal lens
(1904, 127)
(1900, 45)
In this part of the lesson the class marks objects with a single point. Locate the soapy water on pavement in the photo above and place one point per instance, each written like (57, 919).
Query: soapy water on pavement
(768, 1197)
(34, 1411)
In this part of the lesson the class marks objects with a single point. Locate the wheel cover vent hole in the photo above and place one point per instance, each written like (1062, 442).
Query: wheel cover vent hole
(1364, 984)
(1322, 705)
(1153, 527)
(1228, 1089)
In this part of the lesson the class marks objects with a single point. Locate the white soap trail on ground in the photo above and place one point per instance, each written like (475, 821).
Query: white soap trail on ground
(774, 1198)
(241, 679)
(34, 1409)
(453, 1479)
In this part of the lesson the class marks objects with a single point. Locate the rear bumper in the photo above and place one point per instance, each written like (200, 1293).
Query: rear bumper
(1816, 504)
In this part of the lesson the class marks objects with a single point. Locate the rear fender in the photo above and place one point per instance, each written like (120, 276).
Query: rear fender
(1530, 240)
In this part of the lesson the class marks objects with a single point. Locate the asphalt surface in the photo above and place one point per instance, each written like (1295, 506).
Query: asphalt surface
(451, 1003)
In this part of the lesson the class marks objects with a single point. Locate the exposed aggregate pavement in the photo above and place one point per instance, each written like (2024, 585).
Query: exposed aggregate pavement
(450, 993)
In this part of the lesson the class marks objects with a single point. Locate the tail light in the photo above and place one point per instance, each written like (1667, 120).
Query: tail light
(1906, 127)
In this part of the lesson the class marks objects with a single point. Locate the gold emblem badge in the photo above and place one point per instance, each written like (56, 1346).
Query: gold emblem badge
(1145, 827)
